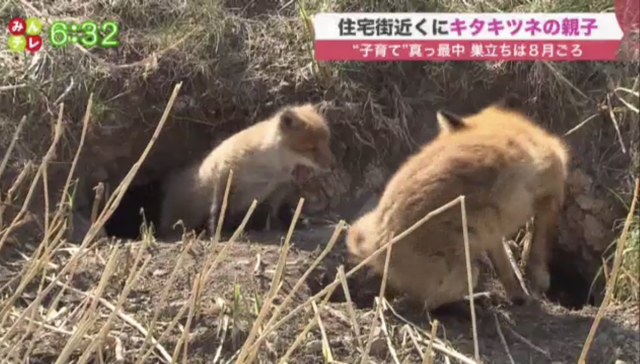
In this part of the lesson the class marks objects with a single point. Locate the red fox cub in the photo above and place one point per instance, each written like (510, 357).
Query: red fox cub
(508, 168)
(266, 158)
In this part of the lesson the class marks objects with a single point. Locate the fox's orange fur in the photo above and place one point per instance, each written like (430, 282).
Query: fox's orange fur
(508, 168)
(263, 158)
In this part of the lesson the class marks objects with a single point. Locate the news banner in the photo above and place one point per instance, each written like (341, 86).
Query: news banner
(466, 37)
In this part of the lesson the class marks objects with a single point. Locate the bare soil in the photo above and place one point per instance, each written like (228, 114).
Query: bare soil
(539, 332)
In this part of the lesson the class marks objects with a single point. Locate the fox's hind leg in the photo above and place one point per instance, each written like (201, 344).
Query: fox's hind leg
(433, 280)
(453, 285)
(502, 265)
(545, 225)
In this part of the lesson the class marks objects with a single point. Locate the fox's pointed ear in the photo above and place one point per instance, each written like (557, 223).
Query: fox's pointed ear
(449, 122)
(510, 101)
(320, 106)
(289, 120)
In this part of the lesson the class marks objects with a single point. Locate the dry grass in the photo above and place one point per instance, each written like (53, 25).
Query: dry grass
(85, 346)
(626, 288)
(245, 47)
(242, 59)
(611, 286)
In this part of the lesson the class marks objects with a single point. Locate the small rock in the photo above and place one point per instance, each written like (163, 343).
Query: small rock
(315, 346)
(579, 181)
(378, 344)
(589, 204)
(594, 232)
(339, 343)
(159, 272)
(374, 175)
(618, 361)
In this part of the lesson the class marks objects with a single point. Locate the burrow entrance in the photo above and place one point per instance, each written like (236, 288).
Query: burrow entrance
(570, 286)
(141, 206)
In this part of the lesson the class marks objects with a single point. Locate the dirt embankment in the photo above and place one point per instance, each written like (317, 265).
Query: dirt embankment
(374, 129)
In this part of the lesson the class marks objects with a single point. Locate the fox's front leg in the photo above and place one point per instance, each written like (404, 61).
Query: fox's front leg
(275, 202)
(214, 210)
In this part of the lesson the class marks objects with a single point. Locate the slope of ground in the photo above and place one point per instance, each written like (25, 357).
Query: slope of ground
(228, 304)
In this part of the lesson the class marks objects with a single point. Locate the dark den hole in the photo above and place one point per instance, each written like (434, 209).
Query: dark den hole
(143, 203)
(138, 204)
(568, 287)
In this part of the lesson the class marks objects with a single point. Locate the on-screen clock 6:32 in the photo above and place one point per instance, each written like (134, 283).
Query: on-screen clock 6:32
(88, 34)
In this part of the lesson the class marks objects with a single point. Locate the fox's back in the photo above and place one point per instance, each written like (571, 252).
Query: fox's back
(496, 166)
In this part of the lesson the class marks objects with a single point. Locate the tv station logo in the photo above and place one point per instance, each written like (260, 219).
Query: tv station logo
(25, 35)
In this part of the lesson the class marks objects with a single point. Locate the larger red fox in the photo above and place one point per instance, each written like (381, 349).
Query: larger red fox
(266, 158)
(508, 168)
